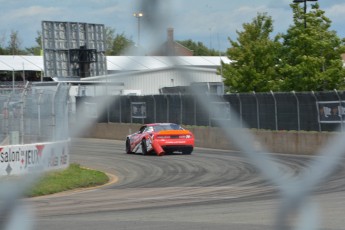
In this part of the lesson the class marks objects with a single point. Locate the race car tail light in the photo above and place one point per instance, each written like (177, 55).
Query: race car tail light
(174, 136)
(185, 136)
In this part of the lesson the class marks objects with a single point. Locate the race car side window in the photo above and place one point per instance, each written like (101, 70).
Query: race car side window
(176, 127)
(158, 128)
(141, 130)
(149, 129)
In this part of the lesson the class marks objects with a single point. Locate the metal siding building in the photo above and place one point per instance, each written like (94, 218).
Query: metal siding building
(145, 73)
(117, 64)
(149, 74)
(149, 82)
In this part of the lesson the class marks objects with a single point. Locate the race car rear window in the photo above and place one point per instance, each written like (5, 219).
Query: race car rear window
(167, 127)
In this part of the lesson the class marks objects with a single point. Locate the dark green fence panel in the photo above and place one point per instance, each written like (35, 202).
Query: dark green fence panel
(271, 111)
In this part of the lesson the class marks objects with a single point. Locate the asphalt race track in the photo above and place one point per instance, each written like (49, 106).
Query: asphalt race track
(210, 189)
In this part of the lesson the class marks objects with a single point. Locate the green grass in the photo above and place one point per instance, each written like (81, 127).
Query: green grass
(71, 178)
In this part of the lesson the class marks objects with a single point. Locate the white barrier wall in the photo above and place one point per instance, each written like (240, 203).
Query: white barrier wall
(22, 159)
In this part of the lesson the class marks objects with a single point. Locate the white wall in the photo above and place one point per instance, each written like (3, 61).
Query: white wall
(149, 82)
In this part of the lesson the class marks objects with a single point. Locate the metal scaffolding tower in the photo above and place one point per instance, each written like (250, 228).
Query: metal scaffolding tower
(73, 49)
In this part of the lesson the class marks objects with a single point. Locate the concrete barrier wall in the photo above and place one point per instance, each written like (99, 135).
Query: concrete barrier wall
(291, 142)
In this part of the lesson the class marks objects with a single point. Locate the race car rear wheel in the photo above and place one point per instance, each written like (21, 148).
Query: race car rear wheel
(128, 147)
(143, 147)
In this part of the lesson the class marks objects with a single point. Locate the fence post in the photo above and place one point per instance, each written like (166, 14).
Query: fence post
(166, 96)
(22, 133)
(6, 116)
(275, 111)
(239, 99)
(108, 108)
(316, 104)
(154, 109)
(39, 101)
(298, 112)
(130, 109)
(340, 110)
(181, 111)
(120, 110)
(54, 113)
(13, 81)
(195, 110)
(23, 107)
(257, 111)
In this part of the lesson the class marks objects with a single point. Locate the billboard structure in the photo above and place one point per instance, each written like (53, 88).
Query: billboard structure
(73, 49)
(331, 111)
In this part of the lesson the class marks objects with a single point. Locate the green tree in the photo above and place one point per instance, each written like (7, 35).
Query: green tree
(36, 50)
(109, 38)
(3, 50)
(116, 44)
(311, 54)
(254, 58)
(198, 48)
(120, 44)
(14, 44)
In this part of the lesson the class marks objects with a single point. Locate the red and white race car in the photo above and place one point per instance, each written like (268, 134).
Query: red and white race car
(160, 138)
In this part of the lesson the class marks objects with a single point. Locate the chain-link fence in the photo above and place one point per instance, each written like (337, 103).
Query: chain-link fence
(309, 111)
(38, 115)
(34, 114)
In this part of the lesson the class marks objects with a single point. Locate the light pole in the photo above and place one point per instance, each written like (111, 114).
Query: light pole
(138, 15)
(305, 9)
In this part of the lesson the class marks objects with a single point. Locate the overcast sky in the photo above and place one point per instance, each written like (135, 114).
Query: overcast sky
(208, 21)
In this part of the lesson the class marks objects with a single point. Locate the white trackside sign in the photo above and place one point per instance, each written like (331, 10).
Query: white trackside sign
(22, 159)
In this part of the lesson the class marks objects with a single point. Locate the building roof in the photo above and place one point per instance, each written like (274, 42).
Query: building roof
(20, 63)
(117, 63)
(130, 63)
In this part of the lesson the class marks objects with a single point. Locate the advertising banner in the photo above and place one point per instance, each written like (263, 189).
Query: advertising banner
(331, 111)
(138, 109)
(22, 159)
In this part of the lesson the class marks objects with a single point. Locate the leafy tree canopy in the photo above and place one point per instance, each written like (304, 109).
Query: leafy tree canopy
(198, 48)
(254, 56)
(307, 57)
(311, 53)
(13, 46)
(36, 50)
(117, 44)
